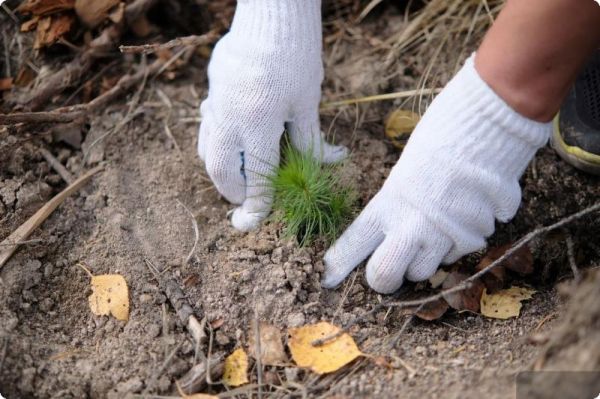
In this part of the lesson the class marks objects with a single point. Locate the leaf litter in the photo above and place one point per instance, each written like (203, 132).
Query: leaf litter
(325, 358)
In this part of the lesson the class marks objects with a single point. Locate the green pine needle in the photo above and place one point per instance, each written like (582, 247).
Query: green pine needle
(310, 198)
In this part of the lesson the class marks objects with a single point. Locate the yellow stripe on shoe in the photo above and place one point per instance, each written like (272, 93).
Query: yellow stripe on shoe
(573, 155)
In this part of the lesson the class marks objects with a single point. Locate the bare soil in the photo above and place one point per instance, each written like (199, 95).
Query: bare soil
(51, 346)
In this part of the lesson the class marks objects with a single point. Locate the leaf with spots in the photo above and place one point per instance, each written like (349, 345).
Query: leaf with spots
(110, 295)
(504, 304)
(325, 358)
(235, 372)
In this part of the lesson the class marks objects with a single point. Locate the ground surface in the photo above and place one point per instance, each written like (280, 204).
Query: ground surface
(51, 346)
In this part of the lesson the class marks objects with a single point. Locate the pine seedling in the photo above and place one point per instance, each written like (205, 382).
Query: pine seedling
(310, 198)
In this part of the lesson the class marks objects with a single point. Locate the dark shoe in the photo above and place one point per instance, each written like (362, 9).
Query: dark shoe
(576, 136)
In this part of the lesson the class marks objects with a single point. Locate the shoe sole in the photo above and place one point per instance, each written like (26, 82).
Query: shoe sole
(573, 155)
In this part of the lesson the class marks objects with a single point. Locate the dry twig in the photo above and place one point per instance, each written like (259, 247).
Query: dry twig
(72, 73)
(196, 231)
(71, 113)
(195, 379)
(21, 233)
(571, 256)
(57, 166)
(465, 284)
(180, 303)
(188, 41)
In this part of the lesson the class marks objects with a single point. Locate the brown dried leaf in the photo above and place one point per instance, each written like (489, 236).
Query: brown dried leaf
(93, 12)
(467, 299)
(217, 323)
(494, 279)
(107, 83)
(45, 7)
(50, 29)
(141, 27)
(520, 262)
(6, 84)
(382, 361)
(24, 76)
(30, 25)
(117, 14)
(433, 310)
(271, 345)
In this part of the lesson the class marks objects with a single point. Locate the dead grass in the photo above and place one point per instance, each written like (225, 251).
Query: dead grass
(436, 38)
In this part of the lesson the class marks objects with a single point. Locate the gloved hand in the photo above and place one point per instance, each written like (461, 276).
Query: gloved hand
(264, 73)
(459, 171)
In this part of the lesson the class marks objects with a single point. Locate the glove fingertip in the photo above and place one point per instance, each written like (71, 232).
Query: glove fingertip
(335, 153)
(243, 220)
(335, 273)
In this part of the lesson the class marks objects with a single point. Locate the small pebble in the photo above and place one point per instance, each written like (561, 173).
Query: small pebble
(221, 338)
(48, 269)
(145, 298)
(295, 319)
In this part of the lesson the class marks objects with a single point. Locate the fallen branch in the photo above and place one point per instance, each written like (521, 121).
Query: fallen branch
(21, 233)
(72, 72)
(73, 112)
(190, 41)
(180, 303)
(465, 284)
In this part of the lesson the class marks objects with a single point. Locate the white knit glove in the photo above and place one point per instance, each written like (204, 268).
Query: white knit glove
(266, 72)
(459, 171)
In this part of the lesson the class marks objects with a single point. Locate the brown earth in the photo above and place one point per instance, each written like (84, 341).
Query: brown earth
(51, 346)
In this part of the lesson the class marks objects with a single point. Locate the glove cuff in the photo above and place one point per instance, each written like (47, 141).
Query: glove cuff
(297, 23)
(480, 129)
(498, 138)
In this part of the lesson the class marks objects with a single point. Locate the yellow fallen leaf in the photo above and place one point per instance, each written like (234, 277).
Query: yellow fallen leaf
(326, 358)
(438, 278)
(110, 295)
(400, 125)
(504, 304)
(235, 371)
